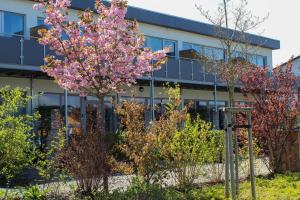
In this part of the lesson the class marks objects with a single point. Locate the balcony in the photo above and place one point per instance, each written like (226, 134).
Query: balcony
(185, 70)
(28, 53)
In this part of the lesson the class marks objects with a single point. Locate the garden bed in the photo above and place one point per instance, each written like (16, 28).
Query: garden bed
(283, 186)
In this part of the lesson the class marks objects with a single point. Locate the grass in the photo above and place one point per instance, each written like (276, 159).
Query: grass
(282, 187)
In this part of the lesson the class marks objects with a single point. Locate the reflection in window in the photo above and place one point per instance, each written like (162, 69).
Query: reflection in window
(13, 23)
(154, 43)
(212, 53)
(50, 100)
(40, 21)
(254, 59)
(172, 47)
(157, 44)
(190, 50)
(261, 61)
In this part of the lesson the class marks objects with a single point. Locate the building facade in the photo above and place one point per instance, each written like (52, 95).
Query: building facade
(21, 57)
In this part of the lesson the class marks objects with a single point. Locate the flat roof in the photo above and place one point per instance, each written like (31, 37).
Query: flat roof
(179, 23)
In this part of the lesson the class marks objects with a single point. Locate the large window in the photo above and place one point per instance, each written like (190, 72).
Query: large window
(190, 50)
(158, 44)
(206, 110)
(11, 23)
(214, 53)
(252, 58)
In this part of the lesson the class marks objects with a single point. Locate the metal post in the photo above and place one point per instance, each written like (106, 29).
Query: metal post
(66, 114)
(22, 50)
(179, 69)
(226, 160)
(166, 71)
(216, 120)
(44, 52)
(152, 112)
(31, 94)
(251, 157)
(192, 63)
(231, 166)
(83, 114)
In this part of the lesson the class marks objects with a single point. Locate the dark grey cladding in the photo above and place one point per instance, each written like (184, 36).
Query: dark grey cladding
(159, 19)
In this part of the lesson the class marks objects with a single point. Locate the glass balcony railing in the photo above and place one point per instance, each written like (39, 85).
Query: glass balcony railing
(187, 70)
(18, 50)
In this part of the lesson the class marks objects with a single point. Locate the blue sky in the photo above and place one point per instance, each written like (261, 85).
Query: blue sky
(281, 23)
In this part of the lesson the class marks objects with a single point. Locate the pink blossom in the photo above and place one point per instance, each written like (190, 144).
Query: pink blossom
(99, 56)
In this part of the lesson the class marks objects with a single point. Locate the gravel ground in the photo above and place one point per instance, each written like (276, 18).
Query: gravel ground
(212, 173)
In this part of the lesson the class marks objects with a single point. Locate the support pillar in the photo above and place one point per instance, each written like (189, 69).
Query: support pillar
(83, 118)
(31, 94)
(152, 111)
(66, 115)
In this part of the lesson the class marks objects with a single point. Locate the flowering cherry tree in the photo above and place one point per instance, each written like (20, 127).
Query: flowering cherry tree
(96, 55)
(99, 53)
(275, 108)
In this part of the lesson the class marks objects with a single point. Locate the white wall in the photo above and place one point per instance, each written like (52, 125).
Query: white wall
(25, 7)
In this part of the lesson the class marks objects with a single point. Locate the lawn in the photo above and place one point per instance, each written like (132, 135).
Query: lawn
(284, 187)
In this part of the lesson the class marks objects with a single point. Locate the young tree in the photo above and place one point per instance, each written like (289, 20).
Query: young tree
(275, 108)
(16, 139)
(232, 22)
(98, 54)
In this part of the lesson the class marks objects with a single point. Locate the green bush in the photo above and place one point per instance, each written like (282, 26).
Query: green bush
(192, 147)
(34, 193)
(16, 138)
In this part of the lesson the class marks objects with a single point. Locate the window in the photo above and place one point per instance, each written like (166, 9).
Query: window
(40, 21)
(154, 43)
(157, 44)
(190, 50)
(12, 23)
(50, 100)
(214, 53)
(261, 61)
(254, 59)
(172, 47)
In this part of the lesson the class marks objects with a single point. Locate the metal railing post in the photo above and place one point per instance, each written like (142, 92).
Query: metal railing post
(179, 69)
(44, 55)
(22, 50)
(166, 71)
(192, 64)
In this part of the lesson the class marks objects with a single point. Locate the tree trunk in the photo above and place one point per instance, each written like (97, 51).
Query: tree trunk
(101, 120)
